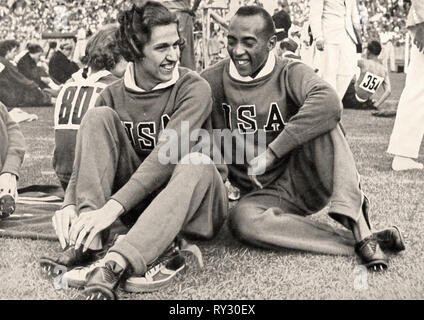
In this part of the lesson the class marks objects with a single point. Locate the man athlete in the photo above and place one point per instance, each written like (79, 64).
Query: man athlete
(307, 163)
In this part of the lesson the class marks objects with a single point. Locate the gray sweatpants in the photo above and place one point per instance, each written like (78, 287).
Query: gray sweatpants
(318, 173)
(193, 201)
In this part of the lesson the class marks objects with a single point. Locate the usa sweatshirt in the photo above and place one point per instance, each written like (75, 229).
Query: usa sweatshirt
(287, 103)
(144, 114)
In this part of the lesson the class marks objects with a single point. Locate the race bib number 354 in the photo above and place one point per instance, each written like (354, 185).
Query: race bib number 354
(371, 82)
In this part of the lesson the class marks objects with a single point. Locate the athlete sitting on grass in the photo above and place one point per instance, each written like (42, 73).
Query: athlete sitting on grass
(105, 65)
(118, 174)
(12, 151)
(306, 164)
(373, 75)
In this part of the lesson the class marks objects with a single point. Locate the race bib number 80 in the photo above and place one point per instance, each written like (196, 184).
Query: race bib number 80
(72, 104)
(371, 82)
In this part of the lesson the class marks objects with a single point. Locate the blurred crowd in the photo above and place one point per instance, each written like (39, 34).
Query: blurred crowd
(27, 19)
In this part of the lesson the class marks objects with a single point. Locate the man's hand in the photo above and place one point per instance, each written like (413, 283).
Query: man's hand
(46, 80)
(91, 223)
(320, 44)
(419, 37)
(260, 165)
(8, 185)
(62, 222)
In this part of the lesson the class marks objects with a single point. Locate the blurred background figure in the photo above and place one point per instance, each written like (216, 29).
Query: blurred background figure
(80, 45)
(51, 51)
(16, 90)
(388, 52)
(372, 75)
(363, 14)
(408, 129)
(288, 48)
(282, 22)
(61, 67)
(332, 24)
(27, 65)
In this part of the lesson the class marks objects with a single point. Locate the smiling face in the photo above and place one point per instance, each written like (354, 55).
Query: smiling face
(248, 46)
(161, 55)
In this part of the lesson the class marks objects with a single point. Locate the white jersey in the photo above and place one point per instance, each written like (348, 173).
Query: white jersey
(74, 100)
(77, 97)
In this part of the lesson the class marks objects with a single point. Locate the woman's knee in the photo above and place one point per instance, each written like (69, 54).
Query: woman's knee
(197, 165)
(98, 117)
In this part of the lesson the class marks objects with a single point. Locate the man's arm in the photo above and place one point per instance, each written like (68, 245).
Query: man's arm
(387, 91)
(319, 112)
(315, 21)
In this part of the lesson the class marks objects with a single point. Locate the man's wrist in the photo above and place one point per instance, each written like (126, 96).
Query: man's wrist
(114, 207)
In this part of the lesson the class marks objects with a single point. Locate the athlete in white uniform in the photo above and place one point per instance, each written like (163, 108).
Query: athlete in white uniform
(408, 129)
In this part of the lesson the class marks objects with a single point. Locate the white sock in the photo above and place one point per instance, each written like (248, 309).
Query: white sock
(114, 256)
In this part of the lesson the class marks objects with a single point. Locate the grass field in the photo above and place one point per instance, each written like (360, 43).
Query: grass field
(234, 271)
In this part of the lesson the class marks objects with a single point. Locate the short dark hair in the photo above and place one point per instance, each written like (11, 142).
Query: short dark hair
(282, 24)
(136, 27)
(34, 48)
(65, 46)
(289, 44)
(52, 45)
(249, 11)
(102, 50)
(374, 47)
(7, 45)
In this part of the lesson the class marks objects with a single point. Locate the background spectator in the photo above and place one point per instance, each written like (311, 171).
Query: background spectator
(60, 67)
(15, 89)
(27, 65)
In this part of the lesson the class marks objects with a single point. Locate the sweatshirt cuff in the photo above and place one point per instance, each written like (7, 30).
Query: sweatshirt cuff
(130, 195)
(69, 198)
(12, 165)
(283, 144)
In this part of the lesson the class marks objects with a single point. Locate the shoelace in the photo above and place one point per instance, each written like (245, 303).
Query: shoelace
(109, 274)
(153, 269)
(373, 244)
(90, 267)
(167, 255)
